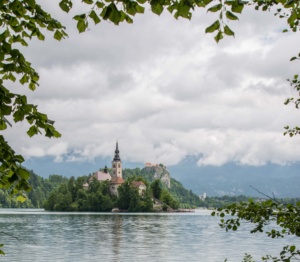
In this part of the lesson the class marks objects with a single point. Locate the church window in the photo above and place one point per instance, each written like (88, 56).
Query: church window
(119, 165)
(114, 165)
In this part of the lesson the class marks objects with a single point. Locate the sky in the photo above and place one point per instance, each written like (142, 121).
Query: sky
(164, 90)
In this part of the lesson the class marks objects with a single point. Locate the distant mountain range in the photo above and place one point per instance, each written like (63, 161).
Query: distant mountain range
(233, 179)
(229, 179)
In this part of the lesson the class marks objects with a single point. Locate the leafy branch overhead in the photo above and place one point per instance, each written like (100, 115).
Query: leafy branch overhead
(227, 10)
(21, 21)
(276, 219)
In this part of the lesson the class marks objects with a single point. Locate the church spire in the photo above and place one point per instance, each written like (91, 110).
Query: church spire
(117, 156)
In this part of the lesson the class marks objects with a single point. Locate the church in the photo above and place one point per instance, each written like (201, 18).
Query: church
(116, 178)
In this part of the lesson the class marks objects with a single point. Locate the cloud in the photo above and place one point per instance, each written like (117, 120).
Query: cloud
(165, 90)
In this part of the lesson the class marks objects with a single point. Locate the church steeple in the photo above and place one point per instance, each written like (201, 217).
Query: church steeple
(117, 156)
(116, 176)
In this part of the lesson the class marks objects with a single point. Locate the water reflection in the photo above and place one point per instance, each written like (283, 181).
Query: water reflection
(117, 232)
(45, 236)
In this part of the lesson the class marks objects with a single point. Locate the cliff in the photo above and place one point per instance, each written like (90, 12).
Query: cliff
(158, 172)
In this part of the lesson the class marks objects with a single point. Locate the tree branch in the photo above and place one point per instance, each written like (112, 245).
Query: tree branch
(272, 198)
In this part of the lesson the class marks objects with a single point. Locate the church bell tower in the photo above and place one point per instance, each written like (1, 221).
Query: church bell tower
(116, 177)
(117, 164)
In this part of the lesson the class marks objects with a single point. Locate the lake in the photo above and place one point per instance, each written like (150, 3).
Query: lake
(37, 235)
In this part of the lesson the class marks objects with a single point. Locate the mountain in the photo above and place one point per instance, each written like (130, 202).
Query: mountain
(234, 179)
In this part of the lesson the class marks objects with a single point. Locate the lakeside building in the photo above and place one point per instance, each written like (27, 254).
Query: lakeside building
(202, 197)
(140, 186)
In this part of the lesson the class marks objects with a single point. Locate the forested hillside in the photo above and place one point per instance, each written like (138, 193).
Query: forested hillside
(41, 189)
(67, 194)
(185, 197)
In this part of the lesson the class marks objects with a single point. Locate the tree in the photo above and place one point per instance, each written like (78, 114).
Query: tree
(127, 195)
(167, 199)
(20, 22)
(156, 188)
(130, 199)
(281, 220)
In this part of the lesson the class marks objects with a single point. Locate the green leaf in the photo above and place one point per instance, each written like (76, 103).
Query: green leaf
(32, 86)
(215, 26)
(237, 7)
(11, 77)
(183, 11)
(58, 35)
(228, 31)
(173, 7)
(82, 26)
(40, 36)
(3, 125)
(89, 2)
(219, 36)
(79, 17)
(156, 7)
(95, 17)
(5, 110)
(115, 14)
(31, 3)
(206, 2)
(292, 18)
(21, 198)
(293, 58)
(24, 79)
(19, 159)
(215, 8)
(100, 4)
(292, 248)
(289, 4)
(18, 116)
(231, 16)
(23, 173)
(128, 19)
(140, 9)
(33, 130)
(66, 5)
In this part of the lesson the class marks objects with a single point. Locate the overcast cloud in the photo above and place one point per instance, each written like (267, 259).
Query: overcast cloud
(165, 90)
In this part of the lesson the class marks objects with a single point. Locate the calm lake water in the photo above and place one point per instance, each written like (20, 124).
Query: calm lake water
(55, 236)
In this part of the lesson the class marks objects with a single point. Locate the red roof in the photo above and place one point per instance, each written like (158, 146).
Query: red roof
(117, 180)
